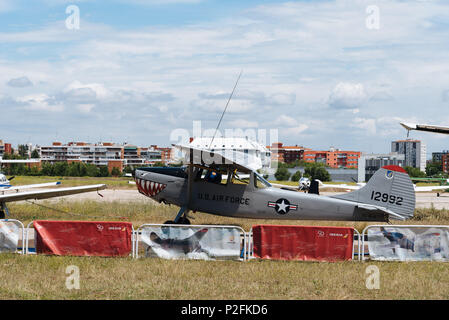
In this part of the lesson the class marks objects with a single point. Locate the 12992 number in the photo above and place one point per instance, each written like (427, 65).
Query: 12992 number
(385, 197)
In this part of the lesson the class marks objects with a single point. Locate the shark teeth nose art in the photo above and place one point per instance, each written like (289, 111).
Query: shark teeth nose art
(149, 188)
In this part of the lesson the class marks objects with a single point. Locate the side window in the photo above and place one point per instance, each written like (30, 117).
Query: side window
(240, 178)
(211, 176)
(260, 182)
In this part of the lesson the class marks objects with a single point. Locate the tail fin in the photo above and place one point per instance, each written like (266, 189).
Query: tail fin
(389, 188)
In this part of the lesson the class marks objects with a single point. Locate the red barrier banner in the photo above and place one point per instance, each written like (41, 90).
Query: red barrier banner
(83, 238)
(308, 243)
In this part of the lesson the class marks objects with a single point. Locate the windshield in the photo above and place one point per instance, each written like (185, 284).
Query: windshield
(261, 179)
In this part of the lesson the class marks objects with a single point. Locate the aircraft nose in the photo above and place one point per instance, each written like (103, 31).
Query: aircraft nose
(147, 185)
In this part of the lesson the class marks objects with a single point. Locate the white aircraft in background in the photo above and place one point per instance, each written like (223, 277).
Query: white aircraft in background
(5, 184)
(424, 127)
(7, 196)
(304, 185)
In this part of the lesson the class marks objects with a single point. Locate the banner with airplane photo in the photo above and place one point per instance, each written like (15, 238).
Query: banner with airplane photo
(9, 236)
(206, 243)
(408, 243)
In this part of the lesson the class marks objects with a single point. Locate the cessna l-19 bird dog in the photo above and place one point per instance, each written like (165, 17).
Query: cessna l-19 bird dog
(8, 196)
(388, 195)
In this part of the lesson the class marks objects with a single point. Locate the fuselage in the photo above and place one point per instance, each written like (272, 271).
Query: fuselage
(243, 200)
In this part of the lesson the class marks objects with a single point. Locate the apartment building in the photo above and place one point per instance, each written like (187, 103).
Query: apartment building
(414, 152)
(334, 158)
(286, 154)
(104, 154)
(5, 148)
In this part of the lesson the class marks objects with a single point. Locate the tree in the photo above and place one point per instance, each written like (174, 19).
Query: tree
(92, 170)
(414, 172)
(158, 164)
(317, 171)
(296, 176)
(47, 169)
(23, 150)
(434, 169)
(60, 169)
(282, 174)
(104, 172)
(115, 172)
(35, 154)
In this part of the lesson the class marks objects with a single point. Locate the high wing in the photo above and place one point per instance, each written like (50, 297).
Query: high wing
(241, 161)
(30, 186)
(49, 193)
(425, 127)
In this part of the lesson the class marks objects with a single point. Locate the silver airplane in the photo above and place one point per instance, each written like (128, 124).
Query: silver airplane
(389, 194)
(7, 194)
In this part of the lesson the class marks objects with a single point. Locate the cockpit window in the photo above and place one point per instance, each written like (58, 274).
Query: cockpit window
(239, 178)
(261, 182)
(211, 175)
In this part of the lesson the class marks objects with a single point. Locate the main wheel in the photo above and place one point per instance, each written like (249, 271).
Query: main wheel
(183, 220)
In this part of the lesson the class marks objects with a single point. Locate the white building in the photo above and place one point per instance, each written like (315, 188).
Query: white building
(368, 164)
(414, 152)
(244, 145)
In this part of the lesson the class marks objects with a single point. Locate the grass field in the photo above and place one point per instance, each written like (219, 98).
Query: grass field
(111, 182)
(44, 277)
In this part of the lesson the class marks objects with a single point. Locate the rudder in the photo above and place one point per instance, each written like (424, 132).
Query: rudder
(391, 188)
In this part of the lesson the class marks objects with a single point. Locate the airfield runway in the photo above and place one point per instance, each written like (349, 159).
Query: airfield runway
(423, 199)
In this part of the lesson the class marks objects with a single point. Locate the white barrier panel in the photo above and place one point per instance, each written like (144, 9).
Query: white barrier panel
(408, 243)
(11, 231)
(190, 242)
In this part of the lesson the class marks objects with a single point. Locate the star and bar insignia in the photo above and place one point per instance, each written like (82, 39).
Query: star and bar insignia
(282, 206)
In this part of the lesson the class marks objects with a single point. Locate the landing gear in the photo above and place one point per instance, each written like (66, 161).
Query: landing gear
(3, 211)
(181, 217)
(182, 220)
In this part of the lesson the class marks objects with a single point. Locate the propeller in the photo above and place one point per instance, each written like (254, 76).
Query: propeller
(11, 178)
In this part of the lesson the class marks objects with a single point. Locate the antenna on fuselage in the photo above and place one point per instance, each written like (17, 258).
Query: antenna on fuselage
(226, 107)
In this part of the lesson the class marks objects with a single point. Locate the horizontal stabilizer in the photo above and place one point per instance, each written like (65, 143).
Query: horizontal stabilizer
(389, 190)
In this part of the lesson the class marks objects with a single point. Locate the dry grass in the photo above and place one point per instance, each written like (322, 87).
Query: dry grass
(43, 277)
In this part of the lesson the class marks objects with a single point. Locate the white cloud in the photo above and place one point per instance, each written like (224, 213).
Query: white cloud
(242, 123)
(20, 82)
(347, 96)
(368, 125)
(294, 131)
(40, 102)
(85, 108)
(284, 120)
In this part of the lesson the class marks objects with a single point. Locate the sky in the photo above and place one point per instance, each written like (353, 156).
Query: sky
(321, 73)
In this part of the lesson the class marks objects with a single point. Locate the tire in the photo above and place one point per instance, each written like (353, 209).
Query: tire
(183, 220)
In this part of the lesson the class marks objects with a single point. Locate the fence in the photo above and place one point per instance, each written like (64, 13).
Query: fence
(191, 241)
(356, 243)
(406, 242)
(379, 242)
(11, 236)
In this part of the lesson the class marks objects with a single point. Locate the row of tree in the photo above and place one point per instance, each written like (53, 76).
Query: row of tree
(62, 169)
(318, 171)
(311, 171)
